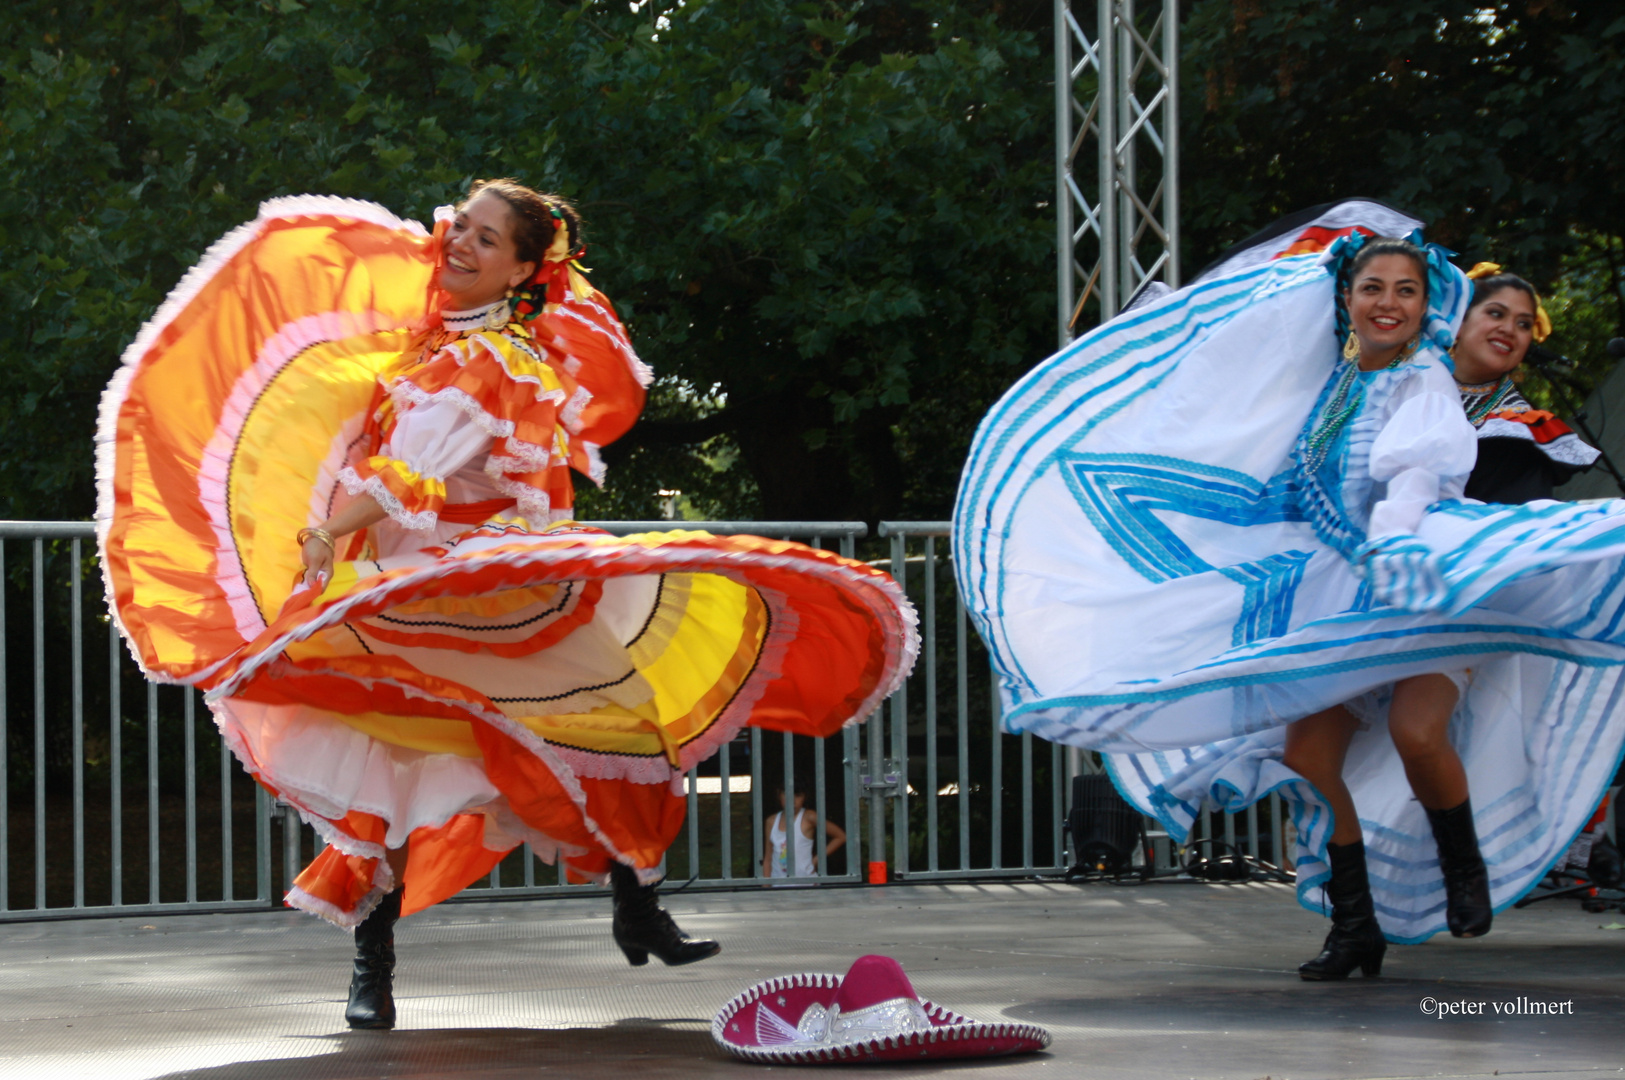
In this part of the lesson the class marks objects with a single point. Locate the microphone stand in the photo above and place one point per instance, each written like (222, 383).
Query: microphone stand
(1563, 384)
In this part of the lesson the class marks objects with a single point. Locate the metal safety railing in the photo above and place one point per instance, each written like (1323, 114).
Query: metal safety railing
(1042, 783)
(119, 796)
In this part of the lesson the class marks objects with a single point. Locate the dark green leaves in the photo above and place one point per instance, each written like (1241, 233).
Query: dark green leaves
(817, 218)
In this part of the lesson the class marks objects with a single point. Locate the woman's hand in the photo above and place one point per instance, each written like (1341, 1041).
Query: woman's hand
(317, 556)
(316, 545)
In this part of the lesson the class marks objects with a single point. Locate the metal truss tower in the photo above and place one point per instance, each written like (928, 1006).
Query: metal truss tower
(1116, 152)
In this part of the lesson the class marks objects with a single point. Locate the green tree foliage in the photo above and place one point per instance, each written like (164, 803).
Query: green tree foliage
(1502, 124)
(825, 222)
(819, 219)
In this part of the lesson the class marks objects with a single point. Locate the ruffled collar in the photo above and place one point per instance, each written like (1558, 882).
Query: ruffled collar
(462, 322)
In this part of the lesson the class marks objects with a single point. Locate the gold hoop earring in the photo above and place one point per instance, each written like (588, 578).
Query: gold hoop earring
(1351, 347)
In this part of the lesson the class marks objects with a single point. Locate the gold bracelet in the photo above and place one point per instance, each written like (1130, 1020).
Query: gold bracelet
(323, 535)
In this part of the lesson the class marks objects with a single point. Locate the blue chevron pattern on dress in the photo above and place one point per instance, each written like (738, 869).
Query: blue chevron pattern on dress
(1123, 494)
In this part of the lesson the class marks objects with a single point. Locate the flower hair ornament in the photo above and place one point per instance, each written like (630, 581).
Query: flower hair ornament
(559, 274)
(1543, 321)
(1449, 291)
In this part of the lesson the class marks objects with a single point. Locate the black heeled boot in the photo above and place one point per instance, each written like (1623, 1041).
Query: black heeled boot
(372, 983)
(641, 926)
(1356, 940)
(1466, 881)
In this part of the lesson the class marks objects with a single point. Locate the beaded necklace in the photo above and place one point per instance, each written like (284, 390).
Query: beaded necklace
(1482, 399)
(1341, 407)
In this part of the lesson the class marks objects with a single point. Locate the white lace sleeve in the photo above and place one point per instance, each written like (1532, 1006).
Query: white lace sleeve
(431, 441)
(437, 437)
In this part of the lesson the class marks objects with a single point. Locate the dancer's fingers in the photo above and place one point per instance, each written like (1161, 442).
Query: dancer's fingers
(318, 560)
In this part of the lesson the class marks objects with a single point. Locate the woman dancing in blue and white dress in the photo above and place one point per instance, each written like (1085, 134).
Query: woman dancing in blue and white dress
(1387, 441)
(1203, 541)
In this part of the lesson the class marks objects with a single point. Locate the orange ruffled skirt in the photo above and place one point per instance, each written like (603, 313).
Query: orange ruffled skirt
(516, 682)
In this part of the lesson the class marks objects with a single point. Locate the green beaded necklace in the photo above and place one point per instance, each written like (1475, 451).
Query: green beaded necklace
(1478, 411)
(1341, 408)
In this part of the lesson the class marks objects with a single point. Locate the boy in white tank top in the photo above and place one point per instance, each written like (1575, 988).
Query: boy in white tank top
(804, 826)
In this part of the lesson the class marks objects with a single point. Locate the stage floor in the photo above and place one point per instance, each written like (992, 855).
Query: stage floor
(1160, 981)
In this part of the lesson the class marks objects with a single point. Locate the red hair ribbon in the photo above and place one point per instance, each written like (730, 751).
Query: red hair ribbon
(555, 278)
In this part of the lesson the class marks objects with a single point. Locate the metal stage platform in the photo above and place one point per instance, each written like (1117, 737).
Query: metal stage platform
(1161, 981)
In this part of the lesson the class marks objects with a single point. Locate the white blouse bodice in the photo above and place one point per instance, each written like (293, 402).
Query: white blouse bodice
(1408, 446)
(442, 438)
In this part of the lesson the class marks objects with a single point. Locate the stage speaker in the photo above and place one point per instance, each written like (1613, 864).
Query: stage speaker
(1106, 831)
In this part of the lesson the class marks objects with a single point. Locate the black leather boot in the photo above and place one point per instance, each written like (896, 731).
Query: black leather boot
(1356, 940)
(372, 984)
(1467, 908)
(641, 926)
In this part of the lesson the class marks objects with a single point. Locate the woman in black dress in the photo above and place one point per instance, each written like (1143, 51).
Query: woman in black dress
(1523, 452)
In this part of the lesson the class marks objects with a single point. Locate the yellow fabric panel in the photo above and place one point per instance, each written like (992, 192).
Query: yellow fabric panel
(300, 276)
(610, 730)
(428, 733)
(423, 489)
(521, 365)
(690, 654)
(684, 663)
(747, 653)
(699, 647)
(271, 504)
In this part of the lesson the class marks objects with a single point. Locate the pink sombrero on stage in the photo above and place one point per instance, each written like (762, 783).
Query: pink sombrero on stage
(873, 1014)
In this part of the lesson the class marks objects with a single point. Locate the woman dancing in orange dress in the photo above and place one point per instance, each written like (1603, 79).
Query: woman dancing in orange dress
(336, 495)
